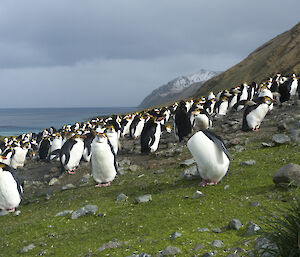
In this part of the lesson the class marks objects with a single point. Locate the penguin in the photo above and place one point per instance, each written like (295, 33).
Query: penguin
(56, 145)
(104, 163)
(87, 151)
(255, 112)
(44, 148)
(150, 135)
(136, 126)
(19, 156)
(11, 192)
(113, 138)
(182, 123)
(211, 156)
(202, 120)
(6, 155)
(233, 99)
(71, 154)
(221, 106)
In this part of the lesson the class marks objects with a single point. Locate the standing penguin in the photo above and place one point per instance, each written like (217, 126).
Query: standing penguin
(211, 156)
(113, 138)
(104, 163)
(71, 153)
(87, 151)
(10, 189)
(182, 123)
(202, 120)
(56, 145)
(19, 156)
(255, 112)
(44, 148)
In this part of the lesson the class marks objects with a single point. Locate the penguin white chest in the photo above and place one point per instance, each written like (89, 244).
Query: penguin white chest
(157, 133)
(9, 194)
(255, 117)
(75, 155)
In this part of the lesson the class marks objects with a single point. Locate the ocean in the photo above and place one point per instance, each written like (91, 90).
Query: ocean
(16, 121)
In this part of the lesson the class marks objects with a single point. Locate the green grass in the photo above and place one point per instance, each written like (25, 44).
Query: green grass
(147, 227)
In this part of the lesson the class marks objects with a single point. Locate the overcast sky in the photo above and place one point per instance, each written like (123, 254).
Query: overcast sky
(94, 53)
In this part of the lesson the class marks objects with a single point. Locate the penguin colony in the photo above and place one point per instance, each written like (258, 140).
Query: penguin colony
(97, 140)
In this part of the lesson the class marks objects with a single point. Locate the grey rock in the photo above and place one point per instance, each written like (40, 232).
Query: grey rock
(3, 213)
(197, 195)
(110, 245)
(252, 229)
(282, 126)
(233, 255)
(281, 139)
(209, 254)
(264, 144)
(226, 187)
(171, 250)
(217, 243)
(134, 168)
(175, 235)
(295, 135)
(124, 162)
(53, 181)
(88, 209)
(235, 224)
(249, 163)
(216, 230)
(17, 213)
(198, 247)
(144, 198)
(263, 245)
(255, 204)
(27, 248)
(287, 175)
(67, 187)
(157, 172)
(190, 173)
(188, 162)
(122, 197)
(203, 229)
(238, 148)
(63, 213)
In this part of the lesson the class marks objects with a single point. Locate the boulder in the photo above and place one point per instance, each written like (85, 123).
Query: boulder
(287, 175)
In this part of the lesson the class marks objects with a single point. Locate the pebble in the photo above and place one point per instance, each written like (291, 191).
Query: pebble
(264, 144)
(53, 181)
(88, 209)
(226, 187)
(197, 195)
(252, 229)
(27, 248)
(188, 162)
(17, 213)
(216, 230)
(281, 139)
(67, 187)
(235, 224)
(217, 243)
(203, 229)
(190, 173)
(3, 213)
(249, 163)
(255, 204)
(209, 254)
(63, 213)
(122, 198)
(170, 250)
(144, 198)
(175, 235)
(110, 245)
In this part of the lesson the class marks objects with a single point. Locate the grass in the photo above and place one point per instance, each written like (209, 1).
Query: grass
(147, 227)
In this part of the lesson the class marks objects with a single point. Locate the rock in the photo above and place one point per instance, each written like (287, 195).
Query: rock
(287, 175)
(188, 162)
(217, 243)
(282, 126)
(88, 209)
(255, 204)
(143, 198)
(203, 229)
(233, 255)
(134, 168)
(209, 254)
(197, 195)
(53, 181)
(63, 213)
(249, 163)
(110, 245)
(157, 172)
(140, 255)
(263, 245)
(264, 144)
(3, 213)
(171, 250)
(281, 139)
(295, 135)
(17, 213)
(216, 230)
(252, 229)
(175, 235)
(27, 248)
(122, 198)
(198, 247)
(68, 186)
(124, 162)
(238, 148)
(235, 224)
(226, 187)
(190, 173)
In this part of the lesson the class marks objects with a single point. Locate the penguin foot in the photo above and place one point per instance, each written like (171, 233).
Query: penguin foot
(71, 172)
(103, 185)
(203, 183)
(255, 129)
(212, 183)
(11, 210)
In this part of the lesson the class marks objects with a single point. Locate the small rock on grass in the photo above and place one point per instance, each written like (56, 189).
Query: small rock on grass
(197, 194)
(217, 230)
(209, 254)
(203, 229)
(252, 229)
(144, 198)
(63, 213)
(217, 243)
(110, 245)
(287, 175)
(175, 235)
(3, 213)
(248, 163)
(88, 209)
(122, 198)
(27, 248)
(235, 224)
(170, 250)
(281, 139)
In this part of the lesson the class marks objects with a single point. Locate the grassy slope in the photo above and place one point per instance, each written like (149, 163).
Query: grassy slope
(147, 227)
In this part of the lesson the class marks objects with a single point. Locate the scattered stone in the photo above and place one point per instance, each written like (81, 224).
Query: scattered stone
(249, 163)
(171, 250)
(63, 213)
(197, 195)
(235, 224)
(175, 235)
(263, 245)
(3, 213)
(17, 213)
(140, 255)
(124, 162)
(110, 245)
(281, 139)
(67, 187)
(216, 230)
(190, 173)
(238, 148)
(198, 247)
(85, 178)
(264, 144)
(295, 135)
(122, 198)
(203, 229)
(287, 175)
(209, 254)
(252, 229)
(217, 243)
(53, 181)
(255, 204)
(282, 126)
(188, 162)
(27, 248)
(157, 172)
(134, 168)
(101, 214)
(226, 187)
(144, 198)
(88, 209)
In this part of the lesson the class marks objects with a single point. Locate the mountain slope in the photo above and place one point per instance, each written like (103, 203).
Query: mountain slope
(177, 88)
(281, 54)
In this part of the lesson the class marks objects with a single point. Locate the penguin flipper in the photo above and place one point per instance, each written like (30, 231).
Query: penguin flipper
(12, 172)
(115, 157)
(218, 141)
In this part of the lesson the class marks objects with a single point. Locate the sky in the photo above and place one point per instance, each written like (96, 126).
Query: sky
(96, 53)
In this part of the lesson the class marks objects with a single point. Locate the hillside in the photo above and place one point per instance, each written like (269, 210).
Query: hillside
(281, 54)
(177, 88)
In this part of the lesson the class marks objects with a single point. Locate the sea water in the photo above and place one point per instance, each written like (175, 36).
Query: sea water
(17, 121)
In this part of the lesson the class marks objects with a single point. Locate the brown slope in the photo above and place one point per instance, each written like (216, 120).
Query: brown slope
(281, 54)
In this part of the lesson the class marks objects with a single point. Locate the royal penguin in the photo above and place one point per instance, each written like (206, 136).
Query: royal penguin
(221, 106)
(87, 151)
(44, 147)
(136, 126)
(10, 189)
(56, 144)
(182, 123)
(18, 157)
(150, 135)
(255, 112)
(113, 138)
(71, 153)
(104, 163)
(202, 120)
(211, 156)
